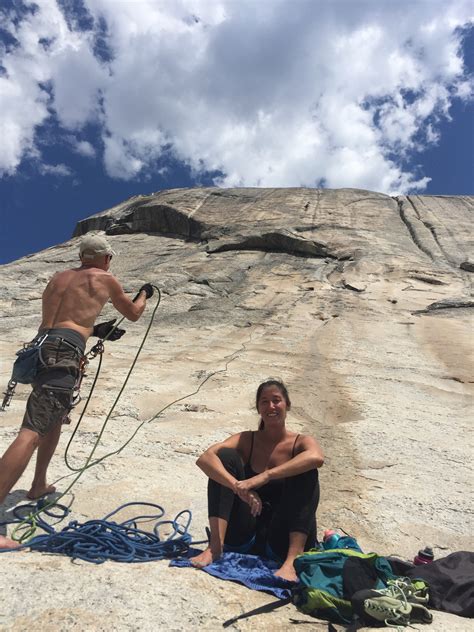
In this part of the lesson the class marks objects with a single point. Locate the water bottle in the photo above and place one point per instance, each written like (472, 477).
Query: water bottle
(330, 539)
(425, 556)
(334, 540)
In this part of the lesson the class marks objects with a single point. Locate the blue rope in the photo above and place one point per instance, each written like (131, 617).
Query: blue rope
(97, 541)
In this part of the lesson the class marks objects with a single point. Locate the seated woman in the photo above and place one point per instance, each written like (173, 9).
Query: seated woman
(263, 487)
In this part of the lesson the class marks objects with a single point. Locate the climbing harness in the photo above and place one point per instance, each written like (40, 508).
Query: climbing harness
(28, 363)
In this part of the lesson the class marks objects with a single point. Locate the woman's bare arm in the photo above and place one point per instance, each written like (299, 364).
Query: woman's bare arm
(211, 464)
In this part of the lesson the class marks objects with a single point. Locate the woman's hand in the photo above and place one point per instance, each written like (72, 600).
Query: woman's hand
(252, 483)
(248, 496)
(254, 501)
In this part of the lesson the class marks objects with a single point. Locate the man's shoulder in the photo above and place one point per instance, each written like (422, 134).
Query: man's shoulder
(61, 273)
(59, 277)
(110, 281)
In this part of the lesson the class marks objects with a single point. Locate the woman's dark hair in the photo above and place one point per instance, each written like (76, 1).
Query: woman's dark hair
(280, 386)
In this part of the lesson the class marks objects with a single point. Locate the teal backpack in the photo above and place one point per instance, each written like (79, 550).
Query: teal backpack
(328, 579)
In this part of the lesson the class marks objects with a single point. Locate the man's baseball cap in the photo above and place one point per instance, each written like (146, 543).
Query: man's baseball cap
(94, 246)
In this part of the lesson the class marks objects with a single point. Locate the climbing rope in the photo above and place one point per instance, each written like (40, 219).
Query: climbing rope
(97, 541)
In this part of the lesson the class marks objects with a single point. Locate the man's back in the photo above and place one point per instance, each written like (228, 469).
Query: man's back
(74, 298)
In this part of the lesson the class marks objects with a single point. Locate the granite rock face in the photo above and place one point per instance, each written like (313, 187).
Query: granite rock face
(361, 302)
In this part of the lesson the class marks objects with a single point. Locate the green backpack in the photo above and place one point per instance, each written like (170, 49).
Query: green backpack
(328, 579)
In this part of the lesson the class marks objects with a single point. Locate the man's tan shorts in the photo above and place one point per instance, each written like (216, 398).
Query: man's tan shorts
(51, 398)
(46, 408)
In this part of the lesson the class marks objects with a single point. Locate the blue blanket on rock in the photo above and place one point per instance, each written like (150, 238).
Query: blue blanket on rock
(252, 571)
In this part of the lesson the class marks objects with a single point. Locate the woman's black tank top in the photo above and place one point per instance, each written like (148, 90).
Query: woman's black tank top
(271, 491)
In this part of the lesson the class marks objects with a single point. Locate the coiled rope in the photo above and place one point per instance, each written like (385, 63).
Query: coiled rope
(97, 541)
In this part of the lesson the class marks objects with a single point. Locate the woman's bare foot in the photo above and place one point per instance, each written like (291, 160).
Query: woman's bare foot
(287, 571)
(6, 543)
(38, 492)
(204, 558)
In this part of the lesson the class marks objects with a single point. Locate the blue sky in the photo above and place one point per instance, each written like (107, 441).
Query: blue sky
(101, 101)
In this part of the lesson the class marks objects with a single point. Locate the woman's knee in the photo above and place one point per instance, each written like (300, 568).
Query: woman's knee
(232, 461)
(227, 453)
(304, 485)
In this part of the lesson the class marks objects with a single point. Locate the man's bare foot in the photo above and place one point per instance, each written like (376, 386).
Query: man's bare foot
(204, 558)
(38, 492)
(6, 543)
(287, 571)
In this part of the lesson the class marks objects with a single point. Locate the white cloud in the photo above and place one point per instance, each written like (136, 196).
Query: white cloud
(270, 93)
(51, 68)
(84, 148)
(18, 120)
(76, 78)
(465, 89)
(120, 158)
(59, 170)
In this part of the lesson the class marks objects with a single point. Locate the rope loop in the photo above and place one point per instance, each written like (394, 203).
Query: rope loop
(97, 541)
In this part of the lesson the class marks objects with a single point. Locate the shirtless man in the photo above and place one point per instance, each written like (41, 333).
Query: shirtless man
(71, 302)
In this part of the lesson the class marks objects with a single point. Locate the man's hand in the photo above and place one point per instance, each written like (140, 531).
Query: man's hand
(103, 329)
(148, 289)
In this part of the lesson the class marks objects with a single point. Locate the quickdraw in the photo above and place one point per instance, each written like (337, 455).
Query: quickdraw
(8, 394)
(97, 349)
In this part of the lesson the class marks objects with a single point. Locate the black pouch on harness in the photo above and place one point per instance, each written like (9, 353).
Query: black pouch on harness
(28, 362)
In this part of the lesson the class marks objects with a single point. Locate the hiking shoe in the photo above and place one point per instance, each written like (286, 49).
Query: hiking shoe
(380, 607)
(420, 614)
(414, 593)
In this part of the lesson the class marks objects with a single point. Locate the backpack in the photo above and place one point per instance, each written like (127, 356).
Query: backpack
(328, 580)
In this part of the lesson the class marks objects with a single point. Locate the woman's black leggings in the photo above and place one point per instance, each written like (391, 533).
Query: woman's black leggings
(293, 510)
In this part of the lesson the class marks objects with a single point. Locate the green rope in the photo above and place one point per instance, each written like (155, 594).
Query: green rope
(132, 366)
(231, 357)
